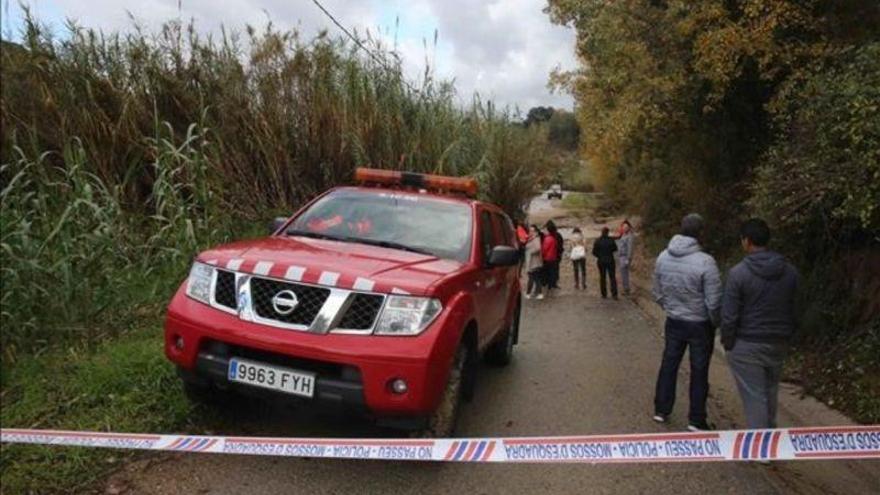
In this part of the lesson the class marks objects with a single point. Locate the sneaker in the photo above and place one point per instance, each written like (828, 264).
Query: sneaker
(540, 296)
(528, 296)
(660, 418)
(700, 426)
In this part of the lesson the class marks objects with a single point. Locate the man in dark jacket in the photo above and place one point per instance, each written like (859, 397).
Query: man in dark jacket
(604, 249)
(757, 322)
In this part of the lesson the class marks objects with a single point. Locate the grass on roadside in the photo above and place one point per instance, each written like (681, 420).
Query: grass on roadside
(122, 385)
(577, 201)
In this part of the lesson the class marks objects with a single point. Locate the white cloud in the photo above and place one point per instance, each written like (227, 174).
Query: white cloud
(503, 49)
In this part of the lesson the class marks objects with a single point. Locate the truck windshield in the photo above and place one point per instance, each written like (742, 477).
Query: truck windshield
(397, 221)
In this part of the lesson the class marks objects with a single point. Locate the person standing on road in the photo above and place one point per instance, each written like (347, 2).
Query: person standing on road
(757, 322)
(687, 286)
(534, 263)
(522, 237)
(624, 253)
(552, 265)
(578, 257)
(522, 233)
(550, 256)
(603, 249)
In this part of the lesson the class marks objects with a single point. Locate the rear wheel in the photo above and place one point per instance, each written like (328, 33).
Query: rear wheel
(501, 352)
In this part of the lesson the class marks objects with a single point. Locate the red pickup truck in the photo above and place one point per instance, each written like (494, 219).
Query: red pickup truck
(378, 298)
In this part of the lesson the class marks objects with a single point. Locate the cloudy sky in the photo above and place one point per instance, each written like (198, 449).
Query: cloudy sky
(503, 49)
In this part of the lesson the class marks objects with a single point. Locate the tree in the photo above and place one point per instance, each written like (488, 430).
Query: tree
(563, 130)
(538, 115)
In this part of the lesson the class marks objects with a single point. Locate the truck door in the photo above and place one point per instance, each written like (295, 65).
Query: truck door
(488, 281)
(509, 276)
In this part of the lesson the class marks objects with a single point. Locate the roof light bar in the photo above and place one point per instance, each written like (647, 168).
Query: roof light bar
(463, 185)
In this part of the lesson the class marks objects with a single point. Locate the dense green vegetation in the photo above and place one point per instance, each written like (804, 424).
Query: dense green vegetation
(750, 107)
(124, 154)
(121, 385)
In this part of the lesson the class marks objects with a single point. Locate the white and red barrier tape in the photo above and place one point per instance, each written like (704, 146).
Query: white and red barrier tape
(855, 442)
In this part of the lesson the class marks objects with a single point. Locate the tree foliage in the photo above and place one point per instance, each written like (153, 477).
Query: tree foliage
(563, 129)
(689, 105)
(735, 108)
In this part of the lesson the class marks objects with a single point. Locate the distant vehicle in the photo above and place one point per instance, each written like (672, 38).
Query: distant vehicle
(555, 192)
(377, 298)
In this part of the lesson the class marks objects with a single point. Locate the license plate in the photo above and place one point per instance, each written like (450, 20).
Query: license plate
(272, 377)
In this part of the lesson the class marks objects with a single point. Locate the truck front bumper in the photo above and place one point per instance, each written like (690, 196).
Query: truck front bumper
(352, 371)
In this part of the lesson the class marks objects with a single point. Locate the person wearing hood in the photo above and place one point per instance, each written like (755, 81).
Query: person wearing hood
(687, 286)
(603, 249)
(757, 322)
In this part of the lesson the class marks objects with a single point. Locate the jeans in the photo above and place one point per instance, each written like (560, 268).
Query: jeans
(536, 281)
(606, 270)
(757, 367)
(680, 335)
(624, 274)
(580, 273)
(551, 274)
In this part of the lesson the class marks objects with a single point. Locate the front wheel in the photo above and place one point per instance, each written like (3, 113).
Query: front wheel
(441, 423)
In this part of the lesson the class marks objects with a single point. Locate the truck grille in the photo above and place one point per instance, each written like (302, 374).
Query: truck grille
(224, 290)
(315, 309)
(362, 312)
(311, 300)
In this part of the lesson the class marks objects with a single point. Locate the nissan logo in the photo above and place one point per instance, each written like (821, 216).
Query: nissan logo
(285, 302)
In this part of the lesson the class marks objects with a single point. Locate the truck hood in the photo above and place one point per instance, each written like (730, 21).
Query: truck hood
(334, 264)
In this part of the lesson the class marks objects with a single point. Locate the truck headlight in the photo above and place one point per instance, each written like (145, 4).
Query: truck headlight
(406, 315)
(198, 286)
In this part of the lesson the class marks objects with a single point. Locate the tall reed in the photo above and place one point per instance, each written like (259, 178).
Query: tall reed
(124, 153)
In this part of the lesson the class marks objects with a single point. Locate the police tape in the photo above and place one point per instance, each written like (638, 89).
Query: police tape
(849, 442)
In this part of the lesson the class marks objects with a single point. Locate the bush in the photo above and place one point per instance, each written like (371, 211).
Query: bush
(820, 182)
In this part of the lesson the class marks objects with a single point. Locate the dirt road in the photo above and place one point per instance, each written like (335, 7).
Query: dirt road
(584, 366)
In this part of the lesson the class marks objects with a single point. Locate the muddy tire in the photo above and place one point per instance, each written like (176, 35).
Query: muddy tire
(441, 423)
(500, 353)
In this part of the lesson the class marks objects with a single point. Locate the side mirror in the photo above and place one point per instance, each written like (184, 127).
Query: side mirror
(276, 224)
(503, 256)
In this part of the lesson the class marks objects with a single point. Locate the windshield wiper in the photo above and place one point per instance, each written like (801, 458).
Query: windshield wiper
(371, 242)
(392, 245)
(316, 235)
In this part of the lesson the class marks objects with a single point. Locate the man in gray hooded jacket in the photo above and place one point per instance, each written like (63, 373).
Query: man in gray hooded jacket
(687, 286)
(758, 321)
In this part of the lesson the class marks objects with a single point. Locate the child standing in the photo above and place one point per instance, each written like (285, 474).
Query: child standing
(579, 259)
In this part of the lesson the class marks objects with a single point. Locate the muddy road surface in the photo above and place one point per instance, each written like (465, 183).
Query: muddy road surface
(584, 365)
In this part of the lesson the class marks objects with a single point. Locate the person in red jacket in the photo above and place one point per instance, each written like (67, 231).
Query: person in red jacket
(550, 255)
(522, 233)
